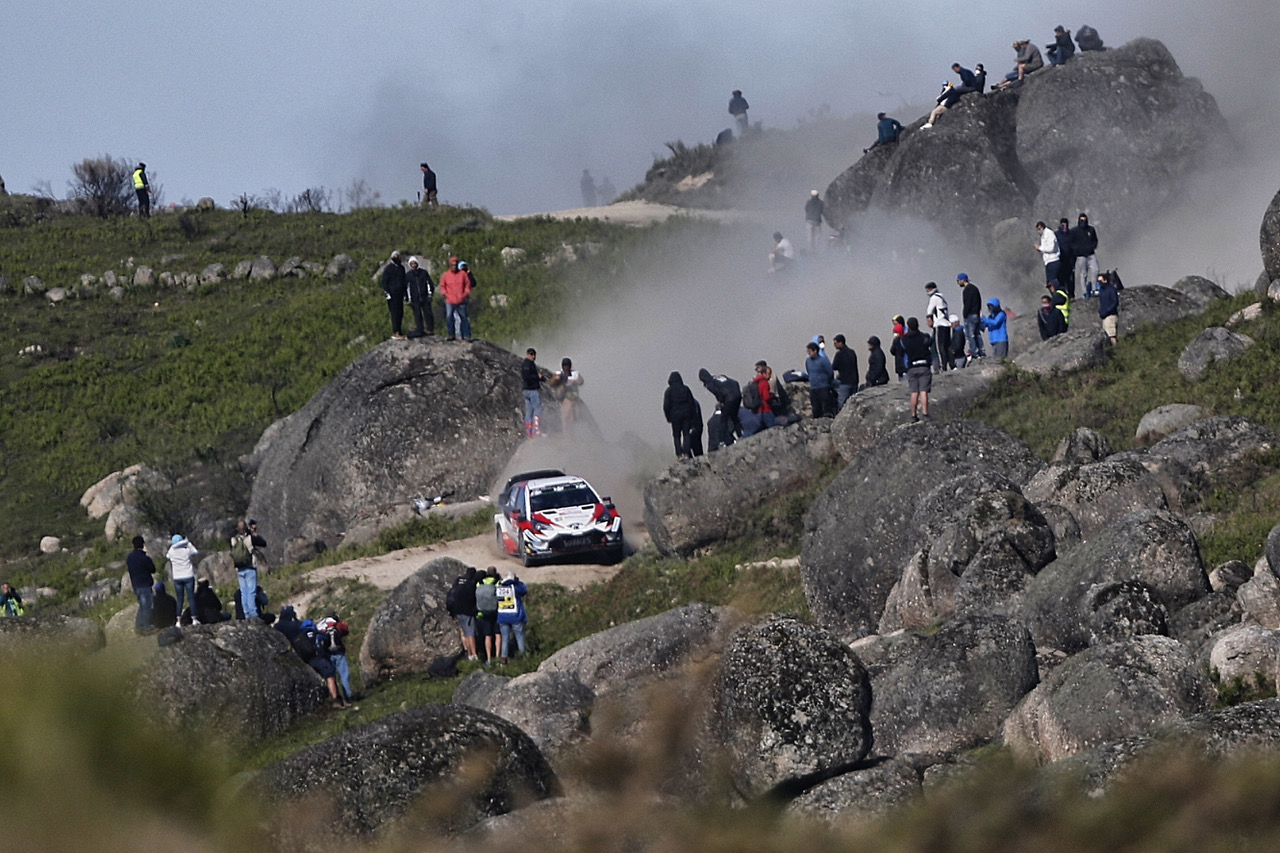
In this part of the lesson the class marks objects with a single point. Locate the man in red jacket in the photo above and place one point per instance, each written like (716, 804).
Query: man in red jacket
(455, 284)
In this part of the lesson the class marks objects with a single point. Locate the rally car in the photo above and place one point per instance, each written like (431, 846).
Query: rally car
(546, 514)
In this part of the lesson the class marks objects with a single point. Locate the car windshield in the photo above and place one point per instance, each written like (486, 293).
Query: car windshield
(555, 497)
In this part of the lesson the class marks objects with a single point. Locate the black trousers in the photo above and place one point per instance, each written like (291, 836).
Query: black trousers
(419, 313)
(943, 334)
(395, 304)
(682, 436)
(144, 203)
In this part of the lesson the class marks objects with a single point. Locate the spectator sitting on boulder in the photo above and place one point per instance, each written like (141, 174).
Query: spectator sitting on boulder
(208, 605)
(1063, 48)
(164, 608)
(1029, 60)
(887, 130)
(260, 601)
(946, 100)
(783, 254)
(10, 601)
(288, 623)
(979, 78)
(1049, 319)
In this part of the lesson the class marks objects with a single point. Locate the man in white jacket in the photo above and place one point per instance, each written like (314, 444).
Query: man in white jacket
(1049, 252)
(183, 572)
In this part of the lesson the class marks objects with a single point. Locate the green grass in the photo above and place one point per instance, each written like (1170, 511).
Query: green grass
(1141, 375)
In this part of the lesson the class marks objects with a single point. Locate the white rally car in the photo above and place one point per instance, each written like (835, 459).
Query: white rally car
(545, 514)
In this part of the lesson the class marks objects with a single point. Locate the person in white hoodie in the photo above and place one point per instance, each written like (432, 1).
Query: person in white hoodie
(183, 572)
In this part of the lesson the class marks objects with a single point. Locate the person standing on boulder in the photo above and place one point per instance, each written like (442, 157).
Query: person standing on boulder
(895, 348)
(1066, 260)
(183, 573)
(938, 316)
(728, 394)
(429, 193)
(244, 548)
(455, 284)
(876, 372)
(1108, 305)
(738, 107)
(141, 577)
(395, 287)
(821, 382)
(679, 408)
(845, 366)
(461, 605)
(420, 287)
(1047, 246)
(996, 324)
(531, 383)
(813, 210)
(567, 382)
(917, 346)
(971, 311)
(1084, 248)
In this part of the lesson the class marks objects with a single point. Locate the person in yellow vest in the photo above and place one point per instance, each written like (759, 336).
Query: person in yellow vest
(143, 190)
(1060, 301)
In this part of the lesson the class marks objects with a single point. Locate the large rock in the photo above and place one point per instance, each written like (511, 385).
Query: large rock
(411, 627)
(1163, 421)
(859, 533)
(263, 268)
(1153, 305)
(859, 795)
(552, 708)
(1082, 347)
(1223, 451)
(874, 412)
(1115, 133)
(700, 501)
(646, 647)
(1211, 346)
(402, 415)
(1201, 289)
(1116, 582)
(791, 703)
(1259, 599)
(1107, 693)
(1099, 493)
(374, 774)
(241, 679)
(1245, 652)
(119, 487)
(24, 637)
(981, 540)
(1082, 447)
(1269, 238)
(951, 690)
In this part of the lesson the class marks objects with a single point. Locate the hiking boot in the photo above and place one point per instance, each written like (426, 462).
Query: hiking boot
(398, 337)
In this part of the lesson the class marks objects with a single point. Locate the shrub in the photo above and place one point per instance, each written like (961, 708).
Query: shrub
(103, 185)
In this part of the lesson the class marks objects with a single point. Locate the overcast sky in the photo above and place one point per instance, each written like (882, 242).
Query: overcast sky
(509, 101)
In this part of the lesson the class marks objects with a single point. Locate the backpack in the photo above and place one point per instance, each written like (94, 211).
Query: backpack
(240, 553)
(751, 395)
(1113, 276)
(451, 600)
(305, 645)
(781, 402)
(1087, 38)
(487, 597)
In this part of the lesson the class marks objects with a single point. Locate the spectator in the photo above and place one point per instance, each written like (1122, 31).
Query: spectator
(164, 608)
(183, 573)
(566, 384)
(531, 382)
(946, 100)
(455, 285)
(460, 603)
(396, 290)
(1061, 302)
(1108, 305)
(288, 623)
(245, 545)
(895, 348)
(916, 345)
(971, 311)
(763, 393)
(141, 578)
(813, 211)
(260, 602)
(1084, 248)
(1063, 48)
(420, 288)
(142, 189)
(979, 78)
(1028, 61)
(968, 80)
(313, 647)
(511, 614)
(336, 631)
(1050, 319)
(10, 601)
(1047, 246)
(821, 382)
(1066, 260)
(845, 366)
(678, 407)
(876, 372)
(887, 131)
(429, 193)
(728, 394)
(938, 316)
(487, 612)
(738, 107)
(208, 605)
(996, 324)
(957, 354)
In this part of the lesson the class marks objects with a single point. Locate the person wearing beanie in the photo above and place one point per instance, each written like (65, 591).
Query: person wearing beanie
(141, 576)
(420, 287)
(183, 572)
(395, 287)
(813, 211)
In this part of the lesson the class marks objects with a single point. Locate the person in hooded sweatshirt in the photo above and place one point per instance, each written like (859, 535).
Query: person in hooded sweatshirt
(728, 394)
(396, 289)
(997, 326)
(678, 407)
(183, 573)
(164, 609)
(288, 623)
(208, 609)
(877, 373)
(821, 382)
(420, 287)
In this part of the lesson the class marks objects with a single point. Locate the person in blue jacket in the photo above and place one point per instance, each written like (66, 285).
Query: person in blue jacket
(1108, 305)
(997, 325)
(887, 130)
(821, 382)
(511, 613)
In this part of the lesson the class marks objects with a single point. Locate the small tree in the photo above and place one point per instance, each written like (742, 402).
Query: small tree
(360, 195)
(310, 200)
(103, 186)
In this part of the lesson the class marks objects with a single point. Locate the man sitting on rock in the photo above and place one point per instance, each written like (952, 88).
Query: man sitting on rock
(887, 131)
(164, 608)
(1049, 319)
(1063, 48)
(208, 605)
(1029, 60)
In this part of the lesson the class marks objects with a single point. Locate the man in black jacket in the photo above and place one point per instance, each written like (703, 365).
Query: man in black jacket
(396, 288)
(1049, 319)
(876, 372)
(1084, 247)
(141, 576)
(420, 288)
(681, 411)
(728, 394)
(971, 314)
(531, 381)
(164, 611)
(917, 346)
(845, 365)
